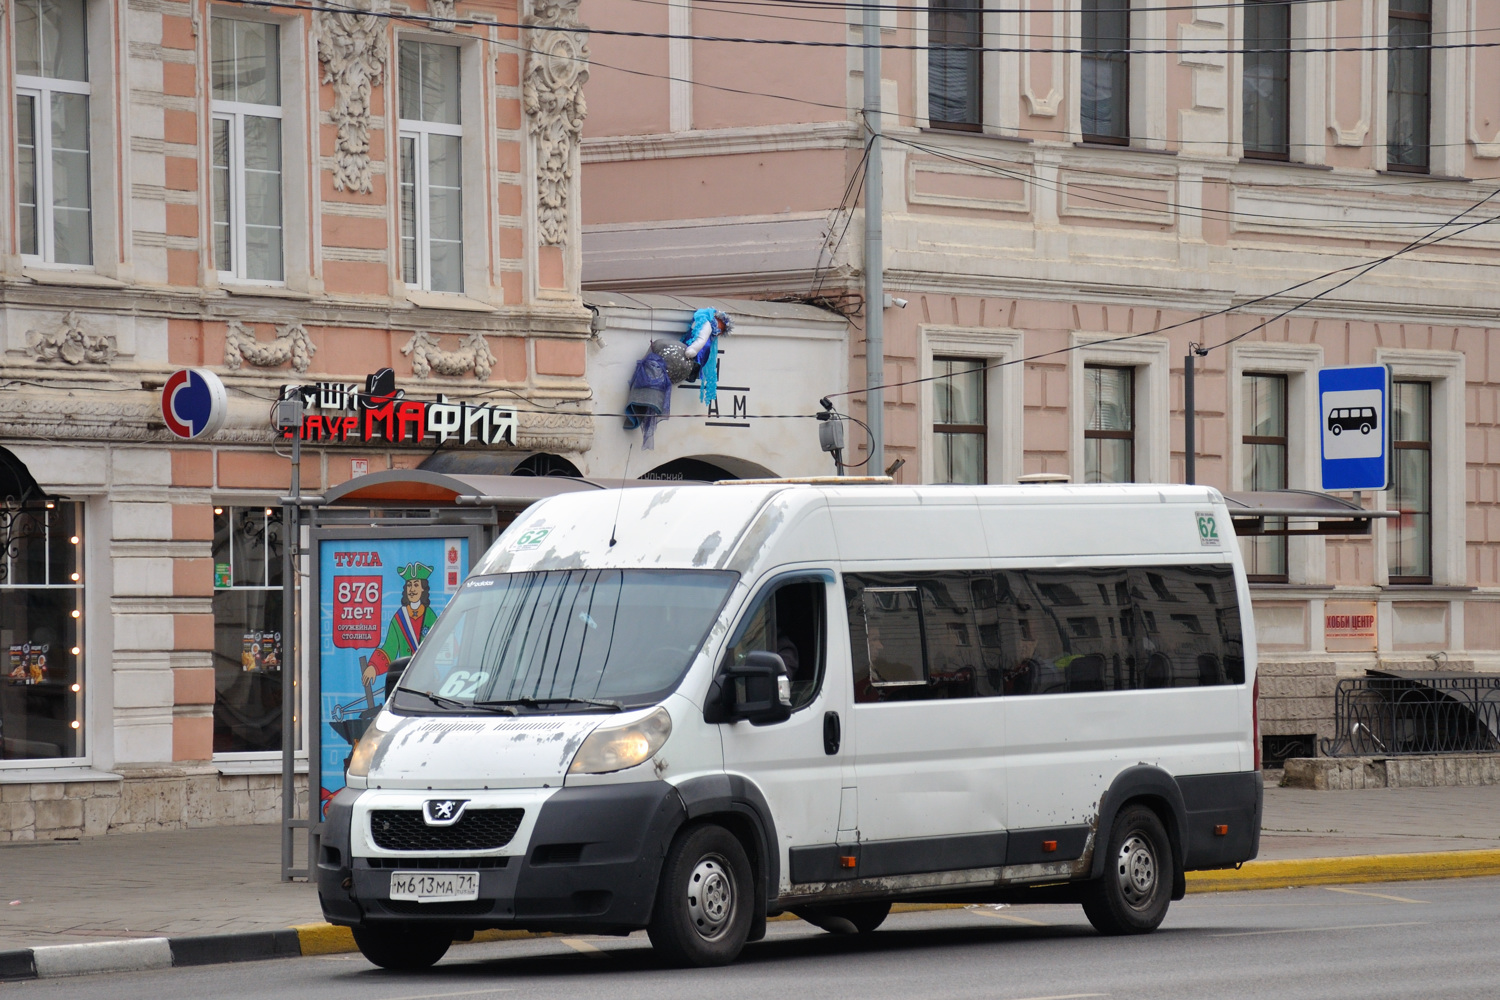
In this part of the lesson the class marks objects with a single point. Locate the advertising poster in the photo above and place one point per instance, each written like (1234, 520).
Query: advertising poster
(378, 598)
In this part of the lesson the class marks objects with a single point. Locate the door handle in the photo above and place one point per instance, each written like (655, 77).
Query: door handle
(832, 733)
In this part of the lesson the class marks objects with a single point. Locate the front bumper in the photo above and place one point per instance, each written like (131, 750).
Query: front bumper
(583, 859)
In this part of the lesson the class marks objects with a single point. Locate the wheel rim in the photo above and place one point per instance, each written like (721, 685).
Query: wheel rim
(1137, 870)
(710, 896)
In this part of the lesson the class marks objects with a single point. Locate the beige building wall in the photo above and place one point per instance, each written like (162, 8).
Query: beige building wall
(1020, 241)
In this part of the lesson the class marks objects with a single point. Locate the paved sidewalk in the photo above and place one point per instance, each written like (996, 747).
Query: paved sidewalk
(226, 880)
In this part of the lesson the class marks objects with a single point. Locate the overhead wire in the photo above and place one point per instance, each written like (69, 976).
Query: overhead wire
(1363, 267)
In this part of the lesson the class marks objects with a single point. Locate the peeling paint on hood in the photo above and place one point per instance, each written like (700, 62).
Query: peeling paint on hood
(480, 753)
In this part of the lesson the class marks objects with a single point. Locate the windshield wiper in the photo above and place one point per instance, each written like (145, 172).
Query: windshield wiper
(446, 702)
(609, 706)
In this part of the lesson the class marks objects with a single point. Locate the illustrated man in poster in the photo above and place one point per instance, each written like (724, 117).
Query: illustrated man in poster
(410, 622)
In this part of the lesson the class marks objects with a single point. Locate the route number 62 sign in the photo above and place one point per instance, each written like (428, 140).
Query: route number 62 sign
(1208, 528)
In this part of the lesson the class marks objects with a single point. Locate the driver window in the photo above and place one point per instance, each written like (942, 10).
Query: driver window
(789, 621)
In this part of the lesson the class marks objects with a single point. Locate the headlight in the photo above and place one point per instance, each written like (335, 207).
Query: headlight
(364, 750)
(617, 747)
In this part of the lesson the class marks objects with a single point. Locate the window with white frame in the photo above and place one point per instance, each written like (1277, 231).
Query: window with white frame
(1109, 431)
(958, 421)
(1267, 80)
(430, 166)
(1428, 543)
(1264, 466)
(52, 131)
(246, 149)
(955, 59)
(1105, 68)
(248, 645)
(1409, 538)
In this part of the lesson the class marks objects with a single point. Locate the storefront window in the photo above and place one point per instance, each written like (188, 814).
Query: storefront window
(248, 648)
(41, 630)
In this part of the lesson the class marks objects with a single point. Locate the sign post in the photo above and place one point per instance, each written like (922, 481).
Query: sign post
(1354, 408)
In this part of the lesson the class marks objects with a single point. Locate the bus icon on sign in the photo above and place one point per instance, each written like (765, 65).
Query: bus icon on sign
(1353, 418)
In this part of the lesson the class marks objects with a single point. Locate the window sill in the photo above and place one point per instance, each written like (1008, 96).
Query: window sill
(61, 774)
(264, 291)
(1258, 161)
(1286, 587)
(445, 300)
(67, 276)
(1426, 588)
(256, 765)
(1124, 148)
(1000, 136)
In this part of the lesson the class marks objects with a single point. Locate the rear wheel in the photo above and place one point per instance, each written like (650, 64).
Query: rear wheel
(1133, 895)
(402, 948)
(703, 904)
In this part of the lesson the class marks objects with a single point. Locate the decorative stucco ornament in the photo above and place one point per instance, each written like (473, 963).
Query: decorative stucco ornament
(293, 343)
(427, 356)
(556, 70)
(69, 344)
(352, 48)
(438, 8)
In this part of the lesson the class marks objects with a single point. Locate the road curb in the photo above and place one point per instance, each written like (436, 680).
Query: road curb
(139, 954)
(1343, 871)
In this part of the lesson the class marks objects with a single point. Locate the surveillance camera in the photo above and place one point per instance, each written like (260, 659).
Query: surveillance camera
(890, 301)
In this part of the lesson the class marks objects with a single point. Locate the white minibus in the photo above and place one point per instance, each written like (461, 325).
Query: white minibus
(685, 709)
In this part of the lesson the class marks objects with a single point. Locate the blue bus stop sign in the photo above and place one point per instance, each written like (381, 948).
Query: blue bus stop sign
(1354, 406)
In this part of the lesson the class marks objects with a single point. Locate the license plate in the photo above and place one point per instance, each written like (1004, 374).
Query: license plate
(435, 887)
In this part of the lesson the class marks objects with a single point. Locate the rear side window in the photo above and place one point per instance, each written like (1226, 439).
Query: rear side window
(963, 634)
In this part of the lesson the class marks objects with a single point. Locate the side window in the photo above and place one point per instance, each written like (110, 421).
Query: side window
(922, 636)
(791, 622)
(1191, 626)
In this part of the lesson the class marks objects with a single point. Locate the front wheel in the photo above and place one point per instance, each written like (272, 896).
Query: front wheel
(704, 901)
(402, 948)
(1337, 430)
(1133, 895)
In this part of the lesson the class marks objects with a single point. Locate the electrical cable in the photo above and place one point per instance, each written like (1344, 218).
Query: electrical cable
(1363, 266)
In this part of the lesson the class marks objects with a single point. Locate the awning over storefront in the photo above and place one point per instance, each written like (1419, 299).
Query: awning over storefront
(1299, 512)
(420, 487)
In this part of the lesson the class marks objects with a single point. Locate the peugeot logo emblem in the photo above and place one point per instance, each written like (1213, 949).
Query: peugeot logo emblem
(443, 812)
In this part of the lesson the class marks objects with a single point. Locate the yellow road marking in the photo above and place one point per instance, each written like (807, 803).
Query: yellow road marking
(1306, 930)
(1347, 871)
(1375, 895)
(1024, 920)
(583, 947)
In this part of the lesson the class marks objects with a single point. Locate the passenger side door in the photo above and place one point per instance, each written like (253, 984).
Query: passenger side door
(802, 765)
(927, 721)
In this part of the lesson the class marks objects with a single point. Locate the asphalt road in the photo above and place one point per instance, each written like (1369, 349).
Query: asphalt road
(1422, 939)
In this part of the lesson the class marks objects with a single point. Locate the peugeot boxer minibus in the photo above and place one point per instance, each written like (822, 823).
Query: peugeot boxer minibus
(685, 709)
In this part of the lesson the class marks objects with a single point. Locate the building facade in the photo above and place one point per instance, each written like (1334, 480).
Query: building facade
(1075, 193)
(284, 197)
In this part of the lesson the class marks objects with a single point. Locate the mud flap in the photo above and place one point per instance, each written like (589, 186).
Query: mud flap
(1179, 884)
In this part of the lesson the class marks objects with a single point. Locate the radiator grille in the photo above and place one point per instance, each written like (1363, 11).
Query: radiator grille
(476, 830)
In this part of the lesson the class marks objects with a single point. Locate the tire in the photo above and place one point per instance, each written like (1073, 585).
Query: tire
(1364, 428)
(846, 918)
(1133, 895)
(704, 900)
(402, 948)
(1337, 430)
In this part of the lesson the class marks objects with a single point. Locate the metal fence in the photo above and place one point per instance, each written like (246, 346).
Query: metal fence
(1391, 716)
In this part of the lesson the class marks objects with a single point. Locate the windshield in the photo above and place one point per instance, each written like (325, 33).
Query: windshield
(557, 640)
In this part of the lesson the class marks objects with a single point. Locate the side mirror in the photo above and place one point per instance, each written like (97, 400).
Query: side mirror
(393, 675)
(757, 691)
